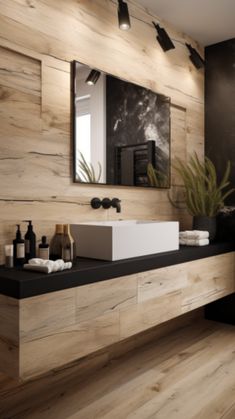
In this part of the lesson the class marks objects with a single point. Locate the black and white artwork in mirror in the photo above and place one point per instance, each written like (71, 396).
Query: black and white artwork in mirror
(121, 131)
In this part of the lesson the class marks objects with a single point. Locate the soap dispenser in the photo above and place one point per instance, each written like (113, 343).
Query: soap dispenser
(19, 248)
(30, 242)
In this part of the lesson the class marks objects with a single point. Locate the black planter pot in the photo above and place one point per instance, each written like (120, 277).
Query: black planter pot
(205, 224)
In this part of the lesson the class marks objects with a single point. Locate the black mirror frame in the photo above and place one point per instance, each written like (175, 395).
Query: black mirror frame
(73, 131)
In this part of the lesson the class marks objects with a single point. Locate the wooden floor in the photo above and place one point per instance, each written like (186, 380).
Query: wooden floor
(188, 374)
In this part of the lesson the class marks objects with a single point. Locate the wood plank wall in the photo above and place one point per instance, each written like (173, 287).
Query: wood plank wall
(38, 41)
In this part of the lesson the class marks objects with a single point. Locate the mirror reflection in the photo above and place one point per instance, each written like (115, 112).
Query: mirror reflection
(121, 131)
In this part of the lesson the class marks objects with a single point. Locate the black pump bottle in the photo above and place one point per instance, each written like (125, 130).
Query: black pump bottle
(30, 242)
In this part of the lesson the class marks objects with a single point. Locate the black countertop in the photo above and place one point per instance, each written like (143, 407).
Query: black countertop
(18, 283)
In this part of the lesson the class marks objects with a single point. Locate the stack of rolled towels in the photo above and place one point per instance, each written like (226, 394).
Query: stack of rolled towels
(194, 238)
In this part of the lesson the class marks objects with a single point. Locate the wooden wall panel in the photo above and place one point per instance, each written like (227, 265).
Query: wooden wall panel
(20, 107)
(38, 41)
(178, 136)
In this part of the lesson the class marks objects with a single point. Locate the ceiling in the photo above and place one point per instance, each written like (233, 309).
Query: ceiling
(206, 21)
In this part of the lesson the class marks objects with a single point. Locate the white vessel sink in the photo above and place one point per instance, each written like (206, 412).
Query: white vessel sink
(116, 240)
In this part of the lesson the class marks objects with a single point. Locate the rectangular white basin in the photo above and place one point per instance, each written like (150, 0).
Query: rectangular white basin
(116, 240)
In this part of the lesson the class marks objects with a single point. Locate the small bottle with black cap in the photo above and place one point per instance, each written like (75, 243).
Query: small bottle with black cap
(30, 242)
(43, 249)
(19, 248)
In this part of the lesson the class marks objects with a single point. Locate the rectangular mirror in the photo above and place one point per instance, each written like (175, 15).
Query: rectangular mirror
(121, 131)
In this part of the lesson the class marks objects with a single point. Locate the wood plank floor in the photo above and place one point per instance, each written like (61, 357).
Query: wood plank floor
(189, 373)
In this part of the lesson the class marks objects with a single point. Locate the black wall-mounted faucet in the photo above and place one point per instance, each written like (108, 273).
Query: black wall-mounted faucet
(116, 203)
(106, 203)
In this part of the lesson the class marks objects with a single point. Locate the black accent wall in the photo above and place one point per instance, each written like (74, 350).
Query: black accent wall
(220, 107)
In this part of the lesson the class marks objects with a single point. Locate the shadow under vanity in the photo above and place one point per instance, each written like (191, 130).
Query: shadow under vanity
(47, 321)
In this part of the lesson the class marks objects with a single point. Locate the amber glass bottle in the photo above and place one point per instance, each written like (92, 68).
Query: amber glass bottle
(68, 252)
(56, 244)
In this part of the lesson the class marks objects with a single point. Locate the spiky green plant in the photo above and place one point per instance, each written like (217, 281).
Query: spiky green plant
(204, 195)
(156, 178)
(86, 171)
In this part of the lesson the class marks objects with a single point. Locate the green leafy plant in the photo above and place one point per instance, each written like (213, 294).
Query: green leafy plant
(156, 178)
(86, 171)
(204, 195)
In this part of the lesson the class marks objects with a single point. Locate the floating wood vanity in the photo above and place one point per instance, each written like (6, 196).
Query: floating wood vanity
(47, 321)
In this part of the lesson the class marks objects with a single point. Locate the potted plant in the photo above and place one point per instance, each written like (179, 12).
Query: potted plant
(204, 195)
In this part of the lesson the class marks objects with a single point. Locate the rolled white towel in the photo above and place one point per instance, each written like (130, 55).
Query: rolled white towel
(47, 266)
(194, 234)
(37, 268)
(194, 242)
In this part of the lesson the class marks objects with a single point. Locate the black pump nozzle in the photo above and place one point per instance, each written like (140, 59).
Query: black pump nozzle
(30, 227)
(30, 241)
(18, 232)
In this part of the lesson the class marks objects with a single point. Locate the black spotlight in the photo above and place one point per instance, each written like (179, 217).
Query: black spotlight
(123, 16)
(93, 77)
(163, 38)
(196, 59)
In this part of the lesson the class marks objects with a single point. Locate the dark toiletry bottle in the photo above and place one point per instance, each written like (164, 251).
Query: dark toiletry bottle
(19, 248)
(68, 245)
(56, 244)
(44, 249)
(30, 242)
